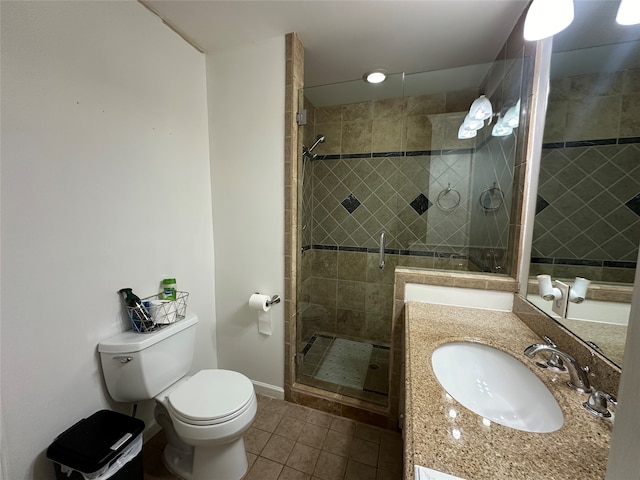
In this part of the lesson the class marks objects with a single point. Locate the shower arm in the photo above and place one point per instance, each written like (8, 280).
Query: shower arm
(308, 152)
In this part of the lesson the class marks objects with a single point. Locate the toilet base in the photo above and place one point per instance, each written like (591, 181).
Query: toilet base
(178, 462)
(228, 461)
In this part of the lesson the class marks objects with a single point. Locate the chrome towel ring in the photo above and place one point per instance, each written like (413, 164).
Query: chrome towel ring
(448, 199)
(492, 198)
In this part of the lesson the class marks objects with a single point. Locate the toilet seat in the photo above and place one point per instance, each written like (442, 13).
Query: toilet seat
(211, 397)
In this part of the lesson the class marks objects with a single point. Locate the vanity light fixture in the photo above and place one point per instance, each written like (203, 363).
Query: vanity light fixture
(479, 111)
(628, 12)
(472, 124)
(578, 290)
(547, 17)
(501, 129)
(464, 132)
(512, 117)
(480, 108)
(546, 289)
(375, 76)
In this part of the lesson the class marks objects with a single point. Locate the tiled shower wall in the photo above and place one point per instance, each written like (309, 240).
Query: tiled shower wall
(588, 209)
(381, 168)
(397, 166)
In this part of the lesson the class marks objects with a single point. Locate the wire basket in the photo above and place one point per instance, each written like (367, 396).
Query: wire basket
(157, 312)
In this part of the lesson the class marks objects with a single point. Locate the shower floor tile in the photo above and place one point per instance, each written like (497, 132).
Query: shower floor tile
(345, 363)
(352, 368)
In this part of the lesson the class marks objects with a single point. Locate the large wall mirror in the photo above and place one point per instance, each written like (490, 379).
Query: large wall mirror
(587, 221)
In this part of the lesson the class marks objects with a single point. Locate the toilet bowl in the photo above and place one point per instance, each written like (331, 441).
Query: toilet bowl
(209, 414)
(204, 415)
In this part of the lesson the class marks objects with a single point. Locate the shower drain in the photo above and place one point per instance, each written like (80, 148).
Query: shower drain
(374, 366)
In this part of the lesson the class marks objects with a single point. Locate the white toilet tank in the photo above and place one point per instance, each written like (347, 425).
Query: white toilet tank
(138, 366)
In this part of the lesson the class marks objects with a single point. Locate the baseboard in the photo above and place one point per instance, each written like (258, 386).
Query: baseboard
(268, 390)
(150, 430)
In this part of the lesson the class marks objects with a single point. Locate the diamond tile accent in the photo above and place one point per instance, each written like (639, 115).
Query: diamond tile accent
(634, 204)
(541, 204)
(421, 204)
(589, 211)
(351, 203)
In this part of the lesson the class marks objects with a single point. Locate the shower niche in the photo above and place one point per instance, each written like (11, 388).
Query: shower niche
(384, 181)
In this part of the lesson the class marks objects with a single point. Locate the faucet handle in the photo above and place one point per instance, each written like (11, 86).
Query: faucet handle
(555, 362)
(598, 403)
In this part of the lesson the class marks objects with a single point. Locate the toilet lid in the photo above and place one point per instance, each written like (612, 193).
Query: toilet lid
(211, 395)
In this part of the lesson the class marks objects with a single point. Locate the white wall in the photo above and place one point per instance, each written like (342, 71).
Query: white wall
(105, 184)
(246, 105)
(624, 462)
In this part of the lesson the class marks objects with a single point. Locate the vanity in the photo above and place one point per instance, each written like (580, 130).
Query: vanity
(443, 435)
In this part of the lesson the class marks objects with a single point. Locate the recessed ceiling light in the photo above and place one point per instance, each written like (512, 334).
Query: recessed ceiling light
(377, 76)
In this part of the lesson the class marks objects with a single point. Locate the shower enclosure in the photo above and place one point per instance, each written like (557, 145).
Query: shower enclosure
(384, 181)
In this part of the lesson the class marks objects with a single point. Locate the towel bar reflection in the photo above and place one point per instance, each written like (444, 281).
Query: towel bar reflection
(382, 249)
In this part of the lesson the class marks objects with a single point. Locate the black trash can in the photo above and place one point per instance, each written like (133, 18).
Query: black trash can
(106, 445)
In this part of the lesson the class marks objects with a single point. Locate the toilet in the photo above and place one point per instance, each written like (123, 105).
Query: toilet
(204, 415)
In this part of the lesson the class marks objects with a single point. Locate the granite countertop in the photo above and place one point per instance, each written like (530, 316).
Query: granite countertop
(578, 450)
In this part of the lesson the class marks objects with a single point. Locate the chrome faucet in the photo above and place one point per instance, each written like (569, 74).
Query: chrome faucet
(578, 379)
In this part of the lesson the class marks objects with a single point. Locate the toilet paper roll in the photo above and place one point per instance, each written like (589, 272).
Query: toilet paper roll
(259, 303)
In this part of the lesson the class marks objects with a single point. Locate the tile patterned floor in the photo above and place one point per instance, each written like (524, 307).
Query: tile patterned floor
(292, 442)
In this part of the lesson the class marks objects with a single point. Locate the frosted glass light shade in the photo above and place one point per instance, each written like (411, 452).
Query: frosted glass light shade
(578, 291)
(501, 129)
(512, 117)
(546, 289)
(547, 17)
(464, 133)
(472, 124)
(480, 109)
(628, 12)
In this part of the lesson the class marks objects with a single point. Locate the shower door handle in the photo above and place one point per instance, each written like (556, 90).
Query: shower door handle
(382, 249)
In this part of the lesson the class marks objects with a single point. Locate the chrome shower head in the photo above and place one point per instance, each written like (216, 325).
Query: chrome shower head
(319, 139)
(308, 152)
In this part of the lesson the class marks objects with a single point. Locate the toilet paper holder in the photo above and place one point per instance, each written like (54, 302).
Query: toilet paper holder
(274, 299)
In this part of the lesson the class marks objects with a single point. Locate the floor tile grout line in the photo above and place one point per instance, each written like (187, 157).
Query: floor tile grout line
(354, 430)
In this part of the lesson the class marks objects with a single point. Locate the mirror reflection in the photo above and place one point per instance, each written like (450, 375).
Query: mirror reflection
(587, 223)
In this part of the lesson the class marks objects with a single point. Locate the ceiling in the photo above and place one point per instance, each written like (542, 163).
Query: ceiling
(344, 39)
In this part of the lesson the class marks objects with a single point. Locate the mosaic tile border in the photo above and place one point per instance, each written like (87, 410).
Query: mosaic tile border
(388, 251)
(411, 153)
(408, 153)
(592, 143)
(584, 262)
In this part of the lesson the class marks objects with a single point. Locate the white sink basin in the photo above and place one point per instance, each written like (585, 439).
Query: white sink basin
(496, 386)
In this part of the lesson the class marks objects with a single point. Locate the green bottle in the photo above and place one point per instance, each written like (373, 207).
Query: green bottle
(141, 319)
(169, 291)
